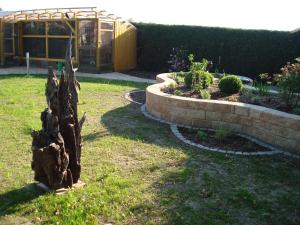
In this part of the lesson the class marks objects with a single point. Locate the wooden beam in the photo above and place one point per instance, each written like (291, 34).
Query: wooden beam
(45, 59)
(44, 36)
(70, 26)
(46, 39)
(77, 39)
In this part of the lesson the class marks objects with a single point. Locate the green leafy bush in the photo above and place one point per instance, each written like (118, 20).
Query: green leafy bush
(222, 134)
(205, 79)
(172, 85)
(262, 88)
(201, 135)
(289, 84)
(230, 84)
(188, 79)
(178, 92)
(296, 110)
(205, 94)
(198, 78)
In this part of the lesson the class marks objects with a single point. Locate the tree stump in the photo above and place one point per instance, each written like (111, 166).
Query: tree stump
(57, 147)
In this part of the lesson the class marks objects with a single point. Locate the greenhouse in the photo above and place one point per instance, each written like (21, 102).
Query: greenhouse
(100, 41)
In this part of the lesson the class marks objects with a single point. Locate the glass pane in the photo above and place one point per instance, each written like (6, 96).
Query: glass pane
(87, 43)
(16, 39)
(87, 56)
(107, 26)
(106, 47)
(35, 46)
(106, 38)
(33, 28)
(60, 28)
(9, 60)
(57, 47)
(8, 30)
(105, 56)
(8, 46)
(88, 33)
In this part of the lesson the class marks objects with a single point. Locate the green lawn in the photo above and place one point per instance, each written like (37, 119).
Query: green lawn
(135, 171)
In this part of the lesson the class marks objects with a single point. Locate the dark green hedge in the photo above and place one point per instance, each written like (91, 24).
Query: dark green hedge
(245, 52)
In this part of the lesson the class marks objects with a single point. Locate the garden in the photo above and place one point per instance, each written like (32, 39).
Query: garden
(243, 116)
(276, 91)
(135, 170)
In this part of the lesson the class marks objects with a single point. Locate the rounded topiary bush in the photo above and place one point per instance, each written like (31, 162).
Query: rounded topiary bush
(230, 84)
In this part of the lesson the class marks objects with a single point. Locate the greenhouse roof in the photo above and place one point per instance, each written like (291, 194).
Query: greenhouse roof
(58, 13)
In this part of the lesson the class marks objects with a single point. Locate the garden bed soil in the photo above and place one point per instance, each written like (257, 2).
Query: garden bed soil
(139, 97)
(245, 96)
(233, 142)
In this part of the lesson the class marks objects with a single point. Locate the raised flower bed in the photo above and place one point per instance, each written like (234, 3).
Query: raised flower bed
(277, 128)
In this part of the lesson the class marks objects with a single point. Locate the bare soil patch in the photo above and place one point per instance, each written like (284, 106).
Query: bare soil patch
(233, 142)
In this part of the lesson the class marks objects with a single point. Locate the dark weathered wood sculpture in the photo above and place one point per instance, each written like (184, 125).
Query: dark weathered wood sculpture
(57, 147)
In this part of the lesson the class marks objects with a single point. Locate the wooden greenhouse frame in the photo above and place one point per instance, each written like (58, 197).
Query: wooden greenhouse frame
(122, 50)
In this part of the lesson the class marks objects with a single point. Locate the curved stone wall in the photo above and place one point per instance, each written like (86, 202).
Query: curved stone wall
(271, 126)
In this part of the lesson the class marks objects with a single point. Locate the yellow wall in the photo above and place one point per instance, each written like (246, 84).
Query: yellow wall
(124, 52)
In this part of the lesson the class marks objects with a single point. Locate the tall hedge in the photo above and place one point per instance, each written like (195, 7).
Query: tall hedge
(244, 52)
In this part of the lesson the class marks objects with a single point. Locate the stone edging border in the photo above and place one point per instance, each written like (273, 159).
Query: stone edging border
(127, 94)
(175, 131)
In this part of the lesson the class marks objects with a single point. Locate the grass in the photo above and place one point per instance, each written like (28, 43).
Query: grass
(135, 170)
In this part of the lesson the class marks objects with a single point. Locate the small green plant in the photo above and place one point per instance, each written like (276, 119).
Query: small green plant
(188, 79)
(222, 134)
(230, 84)
(205, 94)
(172, 85)
(262, 88)
(296, 110)
(178, 92)
(201, 135)
(248, 146)
(197, 88)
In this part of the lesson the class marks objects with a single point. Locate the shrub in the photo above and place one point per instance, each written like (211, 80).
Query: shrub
(172, 85)
(178, 92)
(188, 79)
(205, 79)
(221, 134)
(289, 84)
(205, 94)
(201, 135)
(262, 88)
(296, 110)
(230, 84)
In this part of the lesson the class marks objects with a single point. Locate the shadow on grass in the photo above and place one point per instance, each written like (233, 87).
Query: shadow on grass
(10, 201)
(93, 136)
(178, 201)
(206, 187)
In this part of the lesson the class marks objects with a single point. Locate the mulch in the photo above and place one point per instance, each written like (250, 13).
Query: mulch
(233, 142)
(270, 101)
(139, 97)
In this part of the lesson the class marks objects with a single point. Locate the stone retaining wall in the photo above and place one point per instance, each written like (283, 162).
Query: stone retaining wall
(271, 126)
